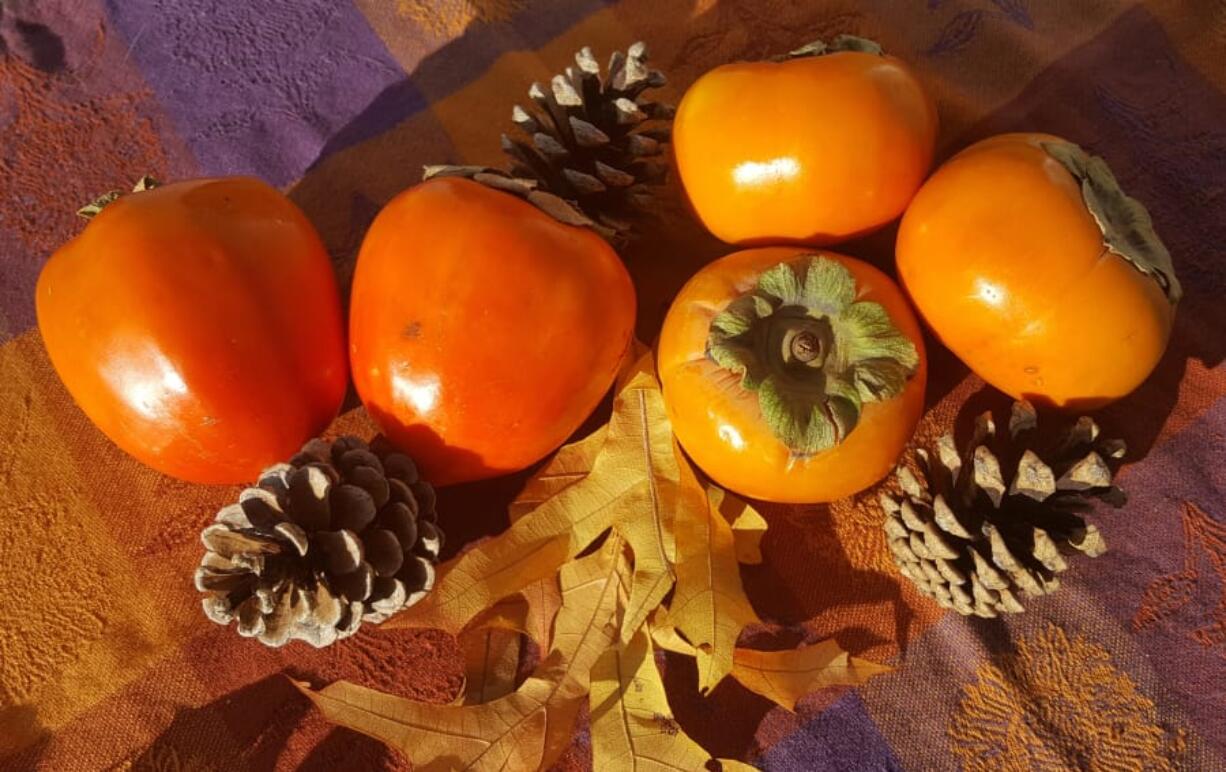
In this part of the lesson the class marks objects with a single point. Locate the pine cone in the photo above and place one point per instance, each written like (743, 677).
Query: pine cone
(594, 145)
(975, 540)
(343, 533)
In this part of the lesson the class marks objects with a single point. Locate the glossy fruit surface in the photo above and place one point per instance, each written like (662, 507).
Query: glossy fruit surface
(811, 150)
(722, 424)
(1007, 264)
(482, 331)
(199, 326)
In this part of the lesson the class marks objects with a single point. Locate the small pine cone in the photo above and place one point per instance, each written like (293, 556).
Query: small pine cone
(981, 527)
(591, 146)
(343, 533)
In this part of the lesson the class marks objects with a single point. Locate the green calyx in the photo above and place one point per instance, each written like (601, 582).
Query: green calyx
(839, 44)
(93, 208)
(1127, 228)
(812, 352)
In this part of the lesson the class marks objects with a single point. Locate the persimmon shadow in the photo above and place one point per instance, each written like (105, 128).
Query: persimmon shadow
(806, 570)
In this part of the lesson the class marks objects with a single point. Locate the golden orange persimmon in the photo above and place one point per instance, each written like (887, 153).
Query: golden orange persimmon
(792, 375)
(1029, 263)
(483, 332)
(826, 144)
(198, 324)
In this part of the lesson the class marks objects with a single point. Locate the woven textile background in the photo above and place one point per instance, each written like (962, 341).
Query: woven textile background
(106, 661)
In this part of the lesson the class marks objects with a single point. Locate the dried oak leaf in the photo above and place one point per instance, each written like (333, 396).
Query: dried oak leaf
(568, 466)
(709, 607)
(527, 729)
(529, 611)
(491, 660)
(664, 634)
(786, 676)
(632, 723)
(748, 526)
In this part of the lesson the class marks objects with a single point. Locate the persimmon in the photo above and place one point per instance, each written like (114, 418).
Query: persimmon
(483, 332)
(1030, 264)
(199, 326)
(791, 375)
(828, 143)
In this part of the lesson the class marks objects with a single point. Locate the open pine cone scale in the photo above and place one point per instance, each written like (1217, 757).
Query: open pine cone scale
(339, 535)
(591, 146)
(980, 527)
(587, 138)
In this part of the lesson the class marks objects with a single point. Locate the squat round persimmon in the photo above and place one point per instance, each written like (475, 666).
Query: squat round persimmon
(792, 375)
(1030, 264)
(829, 143)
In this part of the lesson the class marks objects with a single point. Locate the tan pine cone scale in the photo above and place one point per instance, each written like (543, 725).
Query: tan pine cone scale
(981, 528)
(589, 147)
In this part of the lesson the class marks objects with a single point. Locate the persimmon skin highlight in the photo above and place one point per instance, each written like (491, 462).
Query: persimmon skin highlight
(720, 425)
(1009, 269)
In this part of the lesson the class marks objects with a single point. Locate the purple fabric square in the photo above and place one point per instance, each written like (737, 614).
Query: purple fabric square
(842, 737)
(1164, 577)
(261, 87)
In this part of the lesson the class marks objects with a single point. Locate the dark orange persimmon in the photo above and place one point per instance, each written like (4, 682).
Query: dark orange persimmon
(824, 145)
(199, 326)
(792, 375)
(482, 331)
(1032, 266)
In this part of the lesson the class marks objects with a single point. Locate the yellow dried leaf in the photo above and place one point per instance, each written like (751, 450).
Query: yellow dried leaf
(709, 607)
(786, 676)
(491, 660)
(530, 612)
(481, 577)
(632, 724)
(568, 466)
(747, 523)
(645, 521)
(527, 729)
(665, 636)
(732, 765)
(633, 480)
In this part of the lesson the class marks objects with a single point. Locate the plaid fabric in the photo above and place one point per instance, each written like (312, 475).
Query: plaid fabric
(105, 658)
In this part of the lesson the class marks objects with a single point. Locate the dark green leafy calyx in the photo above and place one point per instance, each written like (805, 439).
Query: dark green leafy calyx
(814, 354)
(91, 210)
(839, 44)
(1127, 228)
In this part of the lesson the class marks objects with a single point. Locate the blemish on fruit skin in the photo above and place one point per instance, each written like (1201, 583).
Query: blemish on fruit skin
(412, 331)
